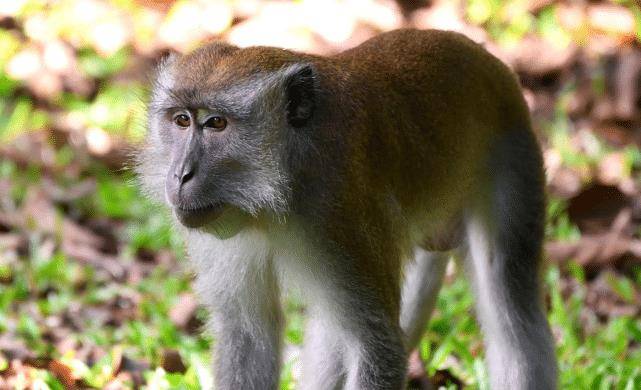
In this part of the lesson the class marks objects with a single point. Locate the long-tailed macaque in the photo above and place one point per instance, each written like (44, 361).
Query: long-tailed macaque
(351, 178)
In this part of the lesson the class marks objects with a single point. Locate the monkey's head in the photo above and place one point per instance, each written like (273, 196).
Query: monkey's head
(221, 124)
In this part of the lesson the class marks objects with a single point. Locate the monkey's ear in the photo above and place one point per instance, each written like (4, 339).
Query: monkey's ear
(300, 90)
(163, 77)
(168, 57)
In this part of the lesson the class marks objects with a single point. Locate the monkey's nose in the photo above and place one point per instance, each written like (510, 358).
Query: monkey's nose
(184, 173)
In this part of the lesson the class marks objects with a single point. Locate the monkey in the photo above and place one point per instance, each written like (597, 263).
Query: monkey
(352, 178)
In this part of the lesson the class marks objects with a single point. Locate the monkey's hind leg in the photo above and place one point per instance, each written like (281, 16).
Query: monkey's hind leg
(504, 237)
(422, 282)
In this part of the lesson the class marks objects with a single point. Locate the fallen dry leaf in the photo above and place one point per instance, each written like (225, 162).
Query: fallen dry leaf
(171, 361)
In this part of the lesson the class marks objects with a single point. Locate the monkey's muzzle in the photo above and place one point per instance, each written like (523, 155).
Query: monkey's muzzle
(194, 218)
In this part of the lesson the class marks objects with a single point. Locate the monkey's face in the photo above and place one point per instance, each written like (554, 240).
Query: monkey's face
(203, 163)
(221, 145)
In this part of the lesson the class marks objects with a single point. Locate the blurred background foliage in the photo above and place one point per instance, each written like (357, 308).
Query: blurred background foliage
(91, 289)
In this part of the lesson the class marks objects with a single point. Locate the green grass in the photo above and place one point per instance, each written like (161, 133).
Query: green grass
(606, 358)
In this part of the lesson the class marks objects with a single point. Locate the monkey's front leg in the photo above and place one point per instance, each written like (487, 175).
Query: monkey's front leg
(246, 356)
(356, 346)
(242, 293)
(357, 340)
(376, 357)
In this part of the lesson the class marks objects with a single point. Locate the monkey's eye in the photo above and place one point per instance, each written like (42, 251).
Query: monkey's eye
(182, 120)
(217, 123)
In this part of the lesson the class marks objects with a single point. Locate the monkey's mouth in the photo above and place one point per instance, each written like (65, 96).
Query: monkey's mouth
(197, 217)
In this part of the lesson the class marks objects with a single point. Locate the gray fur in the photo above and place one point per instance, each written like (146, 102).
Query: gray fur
(423, 279)
(323, 356)
(504, 237)
(348, 328)
(242, 290)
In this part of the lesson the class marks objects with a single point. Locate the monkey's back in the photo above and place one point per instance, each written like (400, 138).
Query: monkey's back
(445, 70)
(438, 101)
